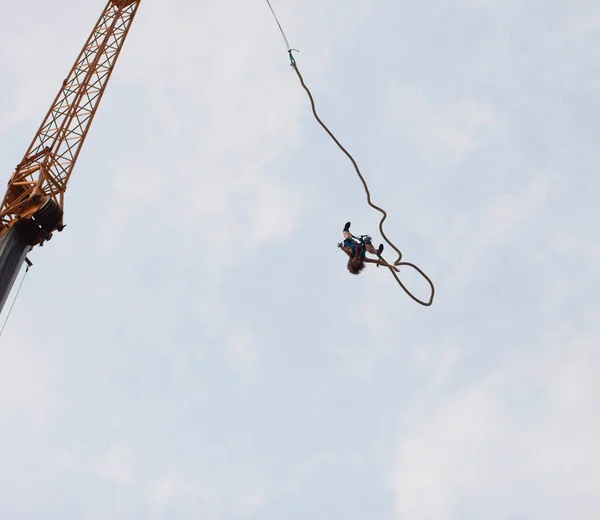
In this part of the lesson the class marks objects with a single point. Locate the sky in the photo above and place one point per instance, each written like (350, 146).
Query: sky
(192, 346)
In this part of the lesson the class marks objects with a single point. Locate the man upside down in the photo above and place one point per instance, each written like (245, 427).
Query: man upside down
(356, 249)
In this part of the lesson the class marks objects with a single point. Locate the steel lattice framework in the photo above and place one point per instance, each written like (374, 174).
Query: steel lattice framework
(48, 163)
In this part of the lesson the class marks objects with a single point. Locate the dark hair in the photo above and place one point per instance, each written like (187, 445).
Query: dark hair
(356, 264)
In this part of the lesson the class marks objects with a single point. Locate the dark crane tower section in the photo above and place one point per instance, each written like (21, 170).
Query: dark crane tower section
(14, 247)
(33, 206)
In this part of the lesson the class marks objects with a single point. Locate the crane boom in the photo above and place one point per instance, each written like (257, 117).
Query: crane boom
(33, 206)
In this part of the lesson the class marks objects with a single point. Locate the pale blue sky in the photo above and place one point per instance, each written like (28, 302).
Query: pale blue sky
(192, 345)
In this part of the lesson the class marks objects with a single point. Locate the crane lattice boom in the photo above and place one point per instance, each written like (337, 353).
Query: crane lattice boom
(37, 187)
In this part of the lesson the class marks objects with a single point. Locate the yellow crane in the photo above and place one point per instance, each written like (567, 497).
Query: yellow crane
(33, 205)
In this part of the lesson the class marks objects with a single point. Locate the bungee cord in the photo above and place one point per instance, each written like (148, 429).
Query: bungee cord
(384, 215)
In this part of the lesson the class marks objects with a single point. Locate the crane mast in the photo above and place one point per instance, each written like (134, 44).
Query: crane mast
(33, 206)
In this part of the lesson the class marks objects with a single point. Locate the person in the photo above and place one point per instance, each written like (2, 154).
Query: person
(357, 250)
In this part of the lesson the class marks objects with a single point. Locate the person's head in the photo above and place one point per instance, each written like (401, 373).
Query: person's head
(356, 264)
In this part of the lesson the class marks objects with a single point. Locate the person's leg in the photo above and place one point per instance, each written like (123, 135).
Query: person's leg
(370, 249)
(349, 243)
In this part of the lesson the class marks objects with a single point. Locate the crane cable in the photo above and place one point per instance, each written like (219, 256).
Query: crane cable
(14, 301)
(398, 261)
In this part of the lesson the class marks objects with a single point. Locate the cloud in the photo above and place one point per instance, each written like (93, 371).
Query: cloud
(117, 465)
(192, 346)
(245, 353)
(520, 438)
(449, 130)
(169, 487)
(248, 502)
(243, 349)
(162, 492)
(30, 380)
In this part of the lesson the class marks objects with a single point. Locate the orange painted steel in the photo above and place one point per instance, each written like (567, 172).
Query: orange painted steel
(46, 168)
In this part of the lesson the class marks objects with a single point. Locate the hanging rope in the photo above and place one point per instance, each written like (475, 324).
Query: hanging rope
(398, 261)
(287, 43)
(14, 301)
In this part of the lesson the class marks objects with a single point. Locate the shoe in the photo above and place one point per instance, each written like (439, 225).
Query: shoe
(347, 226)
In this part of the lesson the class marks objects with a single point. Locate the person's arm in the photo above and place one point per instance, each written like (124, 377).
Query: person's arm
(346, 250)
(382, 263)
